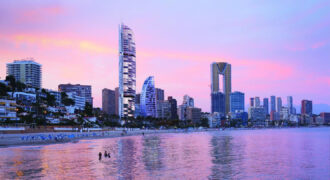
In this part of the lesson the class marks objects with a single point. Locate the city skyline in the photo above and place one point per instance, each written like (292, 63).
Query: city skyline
(178, 65)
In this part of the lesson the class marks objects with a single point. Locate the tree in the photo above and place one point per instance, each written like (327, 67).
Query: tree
(88, 109)
(68, 102)
(20, 86)
(50, 99)
(12, 81)
(205, 122)
(65, 100)
(3, 89)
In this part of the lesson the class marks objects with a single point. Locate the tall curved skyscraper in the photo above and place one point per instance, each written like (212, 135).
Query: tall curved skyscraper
(127, 72)
(148, 98)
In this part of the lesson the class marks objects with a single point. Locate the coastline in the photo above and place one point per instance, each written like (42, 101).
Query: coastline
(28, 139)
(46, 138)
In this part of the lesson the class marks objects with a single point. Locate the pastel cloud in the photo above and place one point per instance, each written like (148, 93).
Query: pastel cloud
(282, 53)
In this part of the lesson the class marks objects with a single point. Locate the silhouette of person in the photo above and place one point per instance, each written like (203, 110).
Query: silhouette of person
(105, 154)
(100, 156)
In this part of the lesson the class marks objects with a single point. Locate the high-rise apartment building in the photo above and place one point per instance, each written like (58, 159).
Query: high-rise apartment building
(307, 107)
(266, 106)
(127, 72)
(272, 103)
(188, 101)
(174, 108)
(148, 98)
(251, 102)
(109, 101)
(224, 69)
(117, 101)
(236, 101)
(159, 94)
(290, 104)
(26, 71)
(80, 90)
(257, 101)
(279, 104)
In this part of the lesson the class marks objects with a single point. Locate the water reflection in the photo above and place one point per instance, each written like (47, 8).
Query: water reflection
(222, 157)
(260, 154)
(152, 153)
(126, 158)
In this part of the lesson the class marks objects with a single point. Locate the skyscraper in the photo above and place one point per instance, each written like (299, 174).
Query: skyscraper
(218, 103)
(272, 103)
(279, 104)
(137, 111)
(290, 104)
(26, 71)
(188, 101)
(236, 101)
(81, 90)
(127, 72)
(307, 107)
(148, 98)
(174, 108)
(224, 69)
(251, 102)
(108, 101)
(159, 94)
(117, 101)
(266, 106)
(257, 101)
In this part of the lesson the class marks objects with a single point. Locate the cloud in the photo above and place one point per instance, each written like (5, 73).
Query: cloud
(64, 42)
(38, 14)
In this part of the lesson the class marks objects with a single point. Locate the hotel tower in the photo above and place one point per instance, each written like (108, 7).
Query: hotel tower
(127, 72)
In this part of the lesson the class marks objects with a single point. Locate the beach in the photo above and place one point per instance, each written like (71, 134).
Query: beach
(63, 137)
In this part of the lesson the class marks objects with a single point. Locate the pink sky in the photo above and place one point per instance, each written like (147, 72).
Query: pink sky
(277, 48)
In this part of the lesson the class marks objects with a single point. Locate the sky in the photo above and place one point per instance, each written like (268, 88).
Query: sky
(276, 48)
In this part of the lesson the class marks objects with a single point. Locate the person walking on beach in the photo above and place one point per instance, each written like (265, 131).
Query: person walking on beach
(100, 156)
(105, 154)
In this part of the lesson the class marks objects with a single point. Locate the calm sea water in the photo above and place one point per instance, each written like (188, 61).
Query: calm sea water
(302, 153)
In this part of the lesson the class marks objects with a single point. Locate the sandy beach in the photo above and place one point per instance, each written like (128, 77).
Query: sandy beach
(63, 137)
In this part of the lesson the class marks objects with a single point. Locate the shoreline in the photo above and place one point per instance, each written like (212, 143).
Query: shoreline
(30, 139)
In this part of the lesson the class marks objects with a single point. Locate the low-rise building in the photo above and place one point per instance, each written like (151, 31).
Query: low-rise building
(57, 96)
(275, 116)
(241, 117)
(318, 120)
(79, 101)
(257, 115)
(214, 119)
(193, 114)
(326, 117)
(163, 109)
(8, 110)
(294, 118)
(25, 98)
(284, 113)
